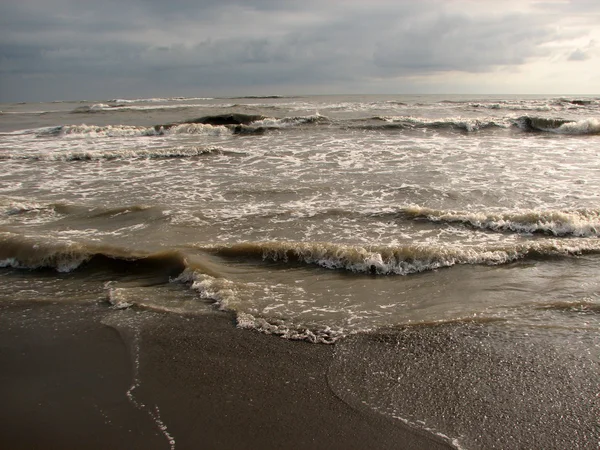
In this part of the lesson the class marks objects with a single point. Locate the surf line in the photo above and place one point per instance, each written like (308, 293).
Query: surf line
(154, 413)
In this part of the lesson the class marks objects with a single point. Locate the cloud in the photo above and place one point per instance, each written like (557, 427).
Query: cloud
(578, 55)
(459, 42)
(238, 45)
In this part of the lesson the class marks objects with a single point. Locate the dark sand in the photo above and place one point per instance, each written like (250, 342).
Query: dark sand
(67, 369)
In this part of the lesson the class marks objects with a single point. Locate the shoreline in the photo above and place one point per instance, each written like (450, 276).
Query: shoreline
(83, 374)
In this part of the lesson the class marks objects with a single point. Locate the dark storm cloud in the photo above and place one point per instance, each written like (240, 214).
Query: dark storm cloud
(232, 45)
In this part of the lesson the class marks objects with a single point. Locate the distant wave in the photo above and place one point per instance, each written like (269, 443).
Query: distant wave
(145, 107)
(521, 106)
(402, 260)
(215, 125)
(524, 123)
(260, 96)
(158, 99)
(16, 211)
(131, 131)
(222, 119)
(11, 206)
(580, 223)
(157, 153)
(269, 122)
(18, 205)
(558, 126)
(86, 109)
(456, 123)
(238, 123)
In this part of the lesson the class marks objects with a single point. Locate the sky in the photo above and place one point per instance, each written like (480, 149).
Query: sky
(104, 49)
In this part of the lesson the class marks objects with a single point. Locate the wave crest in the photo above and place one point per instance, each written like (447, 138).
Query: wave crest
(402, 260)
(580, 223)
(231, 296)
(136, 153)
(21, 252)
(94, 131)
(559, 126)
(457, 123)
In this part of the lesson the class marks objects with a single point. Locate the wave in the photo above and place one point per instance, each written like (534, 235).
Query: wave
(215, 125)
(402, 260)
(580, 223)
(229, 296)
(270, 122)
(145, 107)
(149, 269)
(260, 96)
(78, 131)
(525, 123)
(558, 126)
(21, 252)
(586, 306)
(14, 207)
(154, 268)
(515, 106)
(219, 119)
(123, 154)
(455, 123)
(65, 256)
(157, 99)
(87, 109)
(19, 210)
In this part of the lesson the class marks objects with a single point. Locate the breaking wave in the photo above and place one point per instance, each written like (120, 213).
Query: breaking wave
(157, 99)
(157, 153)
(218, 125)
(558, 126)
(524, 123)
(580, 223)
(21, 252)
(92, 131)
(402, 260)
(452, 123)
(270, 122)
(527, 106)
(230, 296)
(202, 275)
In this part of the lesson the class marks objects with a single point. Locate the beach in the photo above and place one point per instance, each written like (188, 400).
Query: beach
(66, 378)
(86, 375)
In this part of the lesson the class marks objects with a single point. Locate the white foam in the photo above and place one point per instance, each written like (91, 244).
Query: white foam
(239, 297)
(117, 296)
(159, 99)
(271, 122)
(581, 223)
(92, 131)
(466, 124)
(410, 259)
(287, 331)
(585, 126)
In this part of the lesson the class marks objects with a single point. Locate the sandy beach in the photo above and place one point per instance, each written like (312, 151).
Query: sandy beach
(68, 373)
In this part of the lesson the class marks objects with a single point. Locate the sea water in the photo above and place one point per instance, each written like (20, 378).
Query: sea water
(325, 219)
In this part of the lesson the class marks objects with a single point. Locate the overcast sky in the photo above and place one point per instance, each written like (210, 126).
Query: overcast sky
(102, 49)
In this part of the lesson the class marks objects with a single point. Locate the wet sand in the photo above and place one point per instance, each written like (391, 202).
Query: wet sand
(68, 372)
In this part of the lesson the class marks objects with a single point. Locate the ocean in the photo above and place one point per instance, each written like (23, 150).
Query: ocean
(456, 237)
